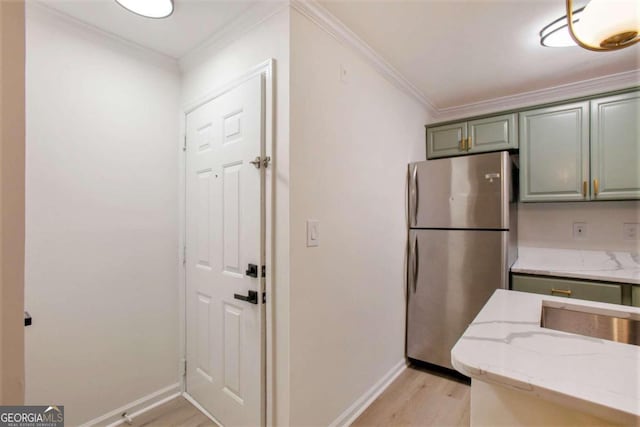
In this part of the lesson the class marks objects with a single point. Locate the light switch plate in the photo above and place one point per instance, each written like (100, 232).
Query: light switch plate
(344, 74)
(313, 233)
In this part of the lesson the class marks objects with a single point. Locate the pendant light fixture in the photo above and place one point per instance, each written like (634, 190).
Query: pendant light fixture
(606, 25)
(148, 8)
(557, 34)
(600, 26)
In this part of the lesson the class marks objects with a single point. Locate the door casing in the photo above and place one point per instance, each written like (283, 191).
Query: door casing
(267, 70)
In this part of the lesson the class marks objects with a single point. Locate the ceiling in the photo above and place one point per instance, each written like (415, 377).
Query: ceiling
(455, 52)
(192, 22)
(460, 52)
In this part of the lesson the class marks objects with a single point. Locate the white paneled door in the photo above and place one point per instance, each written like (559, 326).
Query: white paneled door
(225, 255)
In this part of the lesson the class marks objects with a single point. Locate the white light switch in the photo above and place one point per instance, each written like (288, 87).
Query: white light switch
(313, 233)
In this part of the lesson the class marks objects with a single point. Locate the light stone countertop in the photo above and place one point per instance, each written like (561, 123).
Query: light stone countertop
(505, 345)
(582, 264)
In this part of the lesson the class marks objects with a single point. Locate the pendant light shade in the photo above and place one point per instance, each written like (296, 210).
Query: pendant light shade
(606, 25)
(148, 8)
(600, 26)
(609, 22)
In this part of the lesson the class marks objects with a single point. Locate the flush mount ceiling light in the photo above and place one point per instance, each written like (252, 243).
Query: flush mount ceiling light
(557, 34)
(148, 8)
(600, 26)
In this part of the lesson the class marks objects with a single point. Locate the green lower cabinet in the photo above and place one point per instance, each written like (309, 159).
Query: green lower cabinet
(578, 289)
(635, 296)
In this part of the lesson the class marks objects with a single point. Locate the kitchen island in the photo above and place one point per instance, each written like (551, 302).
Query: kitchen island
(524, 374)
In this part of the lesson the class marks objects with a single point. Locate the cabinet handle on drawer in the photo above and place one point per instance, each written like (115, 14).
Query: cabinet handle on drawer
(584, 188)
(561, 291)
(596, 187)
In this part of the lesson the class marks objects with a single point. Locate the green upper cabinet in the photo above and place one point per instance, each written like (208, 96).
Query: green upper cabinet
(448, 140)
(615, 147)
(492, 134)
(554, 153)
(474, 136)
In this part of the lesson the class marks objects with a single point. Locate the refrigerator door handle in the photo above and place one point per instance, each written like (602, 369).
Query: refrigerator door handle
(414, 263)
(414, 194)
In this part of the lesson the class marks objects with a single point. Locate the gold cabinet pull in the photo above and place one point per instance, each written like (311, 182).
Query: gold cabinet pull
(468, 143)
(566, 292)
(461, 145)
(596, 187)
(584, 188)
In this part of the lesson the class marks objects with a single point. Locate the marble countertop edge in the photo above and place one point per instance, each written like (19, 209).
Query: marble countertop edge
(506, 336)
(596, 409)
(601, 265)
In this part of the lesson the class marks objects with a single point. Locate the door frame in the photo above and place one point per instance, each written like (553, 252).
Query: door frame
(266, 70)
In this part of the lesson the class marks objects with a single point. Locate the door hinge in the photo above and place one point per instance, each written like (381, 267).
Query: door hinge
(184, 143)
(264, 297)
(184, 255)
(184, 367)
(261, 162)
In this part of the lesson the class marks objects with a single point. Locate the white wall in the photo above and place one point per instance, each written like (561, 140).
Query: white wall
(12, 141)
(102, 227)
(350, 145)
(550, 225)
(211, 67)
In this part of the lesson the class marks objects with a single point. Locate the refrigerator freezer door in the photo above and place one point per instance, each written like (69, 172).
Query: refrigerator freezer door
(452, 274)
(461, 192)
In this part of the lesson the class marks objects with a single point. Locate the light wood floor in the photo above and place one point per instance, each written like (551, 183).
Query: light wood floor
(419, 398)
(416, 398)
(177, 412)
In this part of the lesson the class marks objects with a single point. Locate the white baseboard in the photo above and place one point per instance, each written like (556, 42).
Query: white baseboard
(363, 402)
(200, 408)
(137, 407)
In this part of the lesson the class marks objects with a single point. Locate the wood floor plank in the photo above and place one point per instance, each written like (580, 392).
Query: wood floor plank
(178, 412)
(419, 398)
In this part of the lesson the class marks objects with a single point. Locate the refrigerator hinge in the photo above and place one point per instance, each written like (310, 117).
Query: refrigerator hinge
(184, 143)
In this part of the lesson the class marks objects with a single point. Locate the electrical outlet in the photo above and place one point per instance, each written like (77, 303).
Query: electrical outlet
(580, 230)
(630, 231)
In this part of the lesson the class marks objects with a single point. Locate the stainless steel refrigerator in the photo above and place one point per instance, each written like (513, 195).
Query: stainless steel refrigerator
(462, 242)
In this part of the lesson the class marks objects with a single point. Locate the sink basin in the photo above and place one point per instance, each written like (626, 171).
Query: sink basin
(613, 328)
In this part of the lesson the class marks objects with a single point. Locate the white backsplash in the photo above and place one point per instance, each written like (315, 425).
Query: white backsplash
(550, 225)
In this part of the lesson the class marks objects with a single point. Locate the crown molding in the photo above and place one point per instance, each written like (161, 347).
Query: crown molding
(231, 32)
(337, 29)
(606, 83)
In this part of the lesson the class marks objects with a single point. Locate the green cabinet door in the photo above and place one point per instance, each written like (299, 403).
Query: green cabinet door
(635, 296)
(554, 153)
(444, 141)
(615, 147)
(557, 287)
(493, 133)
